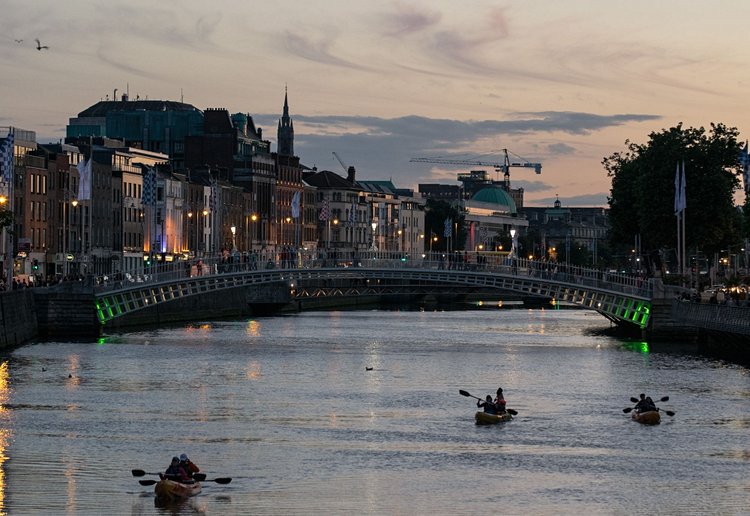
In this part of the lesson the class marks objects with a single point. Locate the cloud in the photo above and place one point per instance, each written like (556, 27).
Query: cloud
(381, 148)
(317, 51)
(407, 19)
(560, 149)
(595, 199)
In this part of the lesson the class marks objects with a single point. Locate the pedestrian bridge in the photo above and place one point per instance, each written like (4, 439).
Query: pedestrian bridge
(621, 298)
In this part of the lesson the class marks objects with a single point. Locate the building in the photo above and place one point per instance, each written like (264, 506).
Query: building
(552, 229)
(153, 125)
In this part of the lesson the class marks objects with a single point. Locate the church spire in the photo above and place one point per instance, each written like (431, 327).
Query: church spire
(285, 132)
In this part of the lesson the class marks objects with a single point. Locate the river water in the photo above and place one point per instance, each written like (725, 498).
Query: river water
(287, 407)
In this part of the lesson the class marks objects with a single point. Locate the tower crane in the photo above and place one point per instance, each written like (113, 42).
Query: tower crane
(349, 169)
(503, 167)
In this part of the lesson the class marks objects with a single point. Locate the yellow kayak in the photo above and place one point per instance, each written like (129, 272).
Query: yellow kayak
(650, 417)
(171, 490)
(485, 418)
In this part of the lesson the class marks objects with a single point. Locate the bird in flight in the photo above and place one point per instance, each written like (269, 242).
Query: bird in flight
(39, 46)
(19, 41)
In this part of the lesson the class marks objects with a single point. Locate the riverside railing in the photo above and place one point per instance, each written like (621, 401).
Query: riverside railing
(461, 263)
(710, 316)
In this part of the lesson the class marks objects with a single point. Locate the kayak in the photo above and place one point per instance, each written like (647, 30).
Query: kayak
(650, 417)
(484, 418)
(172, 490)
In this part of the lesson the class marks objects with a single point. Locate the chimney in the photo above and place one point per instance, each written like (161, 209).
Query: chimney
(350, 174)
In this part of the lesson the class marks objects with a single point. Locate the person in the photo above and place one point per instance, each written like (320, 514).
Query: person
(500, 401)
(176, 472)
(640, 405)
(489, 406)
(189, 467)
(645, 404)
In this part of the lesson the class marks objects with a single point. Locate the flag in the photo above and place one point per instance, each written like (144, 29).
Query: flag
(84, 179)
(148, 197)
(677, 191)
(6, 158)
(745, 160)
(295, 205)
(683, 184)
(483, 234)
(447, 226)
(213, 198)
(353, 214)
(324, 210)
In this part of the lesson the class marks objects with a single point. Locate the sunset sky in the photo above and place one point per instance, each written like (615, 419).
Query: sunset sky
(563, 83)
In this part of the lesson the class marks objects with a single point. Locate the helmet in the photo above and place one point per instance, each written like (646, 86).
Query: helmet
(184, 457)
(175, 459)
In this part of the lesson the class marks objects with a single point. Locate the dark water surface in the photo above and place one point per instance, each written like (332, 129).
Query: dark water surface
(286, 407)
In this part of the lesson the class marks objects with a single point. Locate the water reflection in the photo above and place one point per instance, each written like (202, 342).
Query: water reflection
(5, 434)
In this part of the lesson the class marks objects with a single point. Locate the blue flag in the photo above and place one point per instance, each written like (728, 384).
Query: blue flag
(447, 227)
(6, 158)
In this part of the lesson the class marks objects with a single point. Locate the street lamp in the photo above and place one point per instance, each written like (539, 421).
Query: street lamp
(288, 220)
(190, 223)
(73, 203)
(374, 235)
(198, 228)
(233, 229)
(400, 240)
(253, 218)
(513, 249)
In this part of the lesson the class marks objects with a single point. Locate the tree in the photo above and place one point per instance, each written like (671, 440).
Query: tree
(643, 189)
(436, 212)
(6, 219)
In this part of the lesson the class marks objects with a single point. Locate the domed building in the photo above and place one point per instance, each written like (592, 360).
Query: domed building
(490, 215)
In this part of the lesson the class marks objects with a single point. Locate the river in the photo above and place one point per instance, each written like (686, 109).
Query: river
(359, 412)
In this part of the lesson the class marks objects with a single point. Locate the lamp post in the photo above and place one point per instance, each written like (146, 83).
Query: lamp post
(513, 249)
(73, 204)
(374, 235)
(7, 271)
(400, 240)
(253, 218)
(233, 229)
(190, 223)
(205, 224)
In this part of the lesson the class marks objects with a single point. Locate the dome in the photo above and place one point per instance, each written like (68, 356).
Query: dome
(498, 196)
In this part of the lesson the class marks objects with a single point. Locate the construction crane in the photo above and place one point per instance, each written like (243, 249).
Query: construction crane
(503, 167)
(348, 169)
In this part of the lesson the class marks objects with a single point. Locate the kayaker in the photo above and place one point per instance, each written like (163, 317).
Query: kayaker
(488, 404)
(188, 465)
(500, 401)
(176, 472)
(645, 404)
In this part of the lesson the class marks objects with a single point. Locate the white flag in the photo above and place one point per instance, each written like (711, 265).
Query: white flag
(295, 205)
(683, 184)
(677, 190)
(745, 162)
(84, 180)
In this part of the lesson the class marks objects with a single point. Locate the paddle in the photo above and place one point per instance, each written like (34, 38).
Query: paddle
(140, 473)
(202, 478)
(465, 393)
(635, 400)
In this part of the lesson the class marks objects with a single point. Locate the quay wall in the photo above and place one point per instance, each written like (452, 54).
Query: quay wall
(18, 318)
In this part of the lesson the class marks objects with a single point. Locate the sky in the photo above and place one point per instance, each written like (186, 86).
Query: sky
(379, 82)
